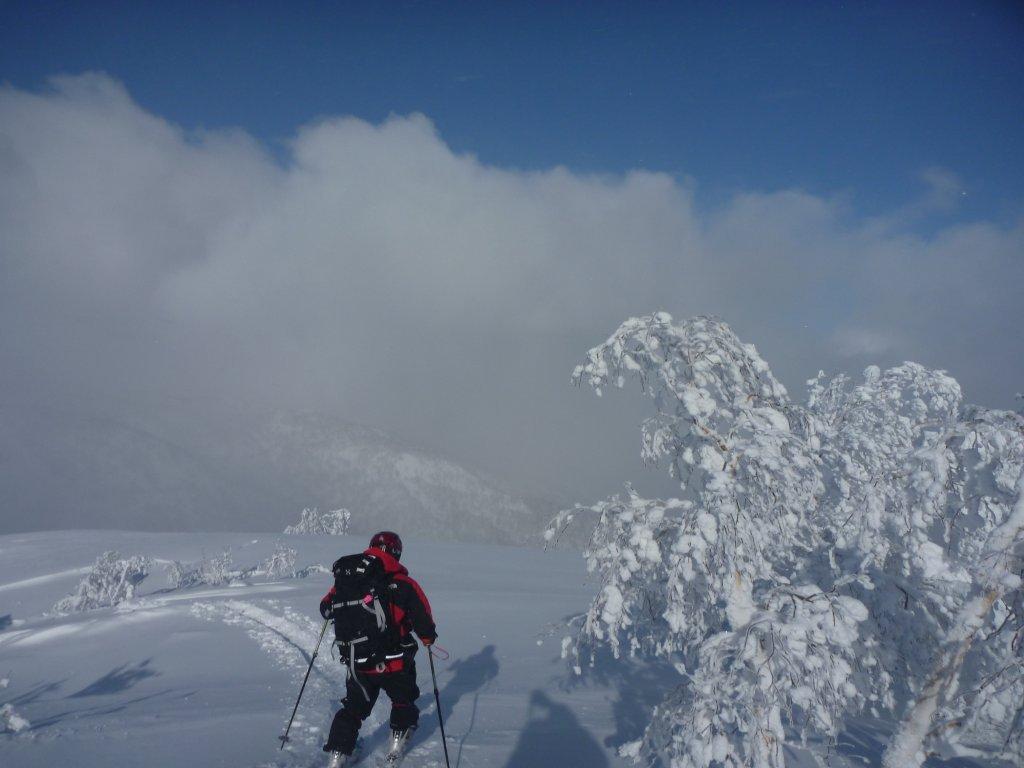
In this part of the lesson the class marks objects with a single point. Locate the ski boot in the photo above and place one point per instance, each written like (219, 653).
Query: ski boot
(396, 747)
(339, 760)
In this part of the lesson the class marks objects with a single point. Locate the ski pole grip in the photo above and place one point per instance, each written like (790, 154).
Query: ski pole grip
(438, 652)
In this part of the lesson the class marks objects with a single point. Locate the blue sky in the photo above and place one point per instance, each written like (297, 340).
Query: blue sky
(853, 98)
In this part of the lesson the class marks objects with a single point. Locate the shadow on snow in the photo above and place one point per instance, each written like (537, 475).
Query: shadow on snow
(96, 710)
(116, 680)
(640, 685)
(553, 736)
(471, 675)
(864, 741)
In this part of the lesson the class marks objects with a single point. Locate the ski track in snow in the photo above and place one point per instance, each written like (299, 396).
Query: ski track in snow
(232, 591)
(127, 614)
(34, 637)
(35, 581)
(288, 638)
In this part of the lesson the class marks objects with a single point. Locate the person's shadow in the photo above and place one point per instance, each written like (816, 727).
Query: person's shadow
(471, 674)
(553, 736)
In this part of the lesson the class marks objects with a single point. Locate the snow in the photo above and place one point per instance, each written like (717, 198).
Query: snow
(28, 637)
(12, 721)
(207, 677)
(44, 579)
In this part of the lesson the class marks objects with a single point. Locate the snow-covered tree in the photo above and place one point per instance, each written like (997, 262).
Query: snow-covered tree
(12, 722)
(280, 564)
(822, 558)
(212, 571)
(111, 581)
(313, 521)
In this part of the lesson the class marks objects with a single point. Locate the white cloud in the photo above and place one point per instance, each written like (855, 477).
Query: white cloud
(378, 274)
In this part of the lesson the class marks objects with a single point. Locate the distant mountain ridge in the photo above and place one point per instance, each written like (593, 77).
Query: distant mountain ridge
(184, 472)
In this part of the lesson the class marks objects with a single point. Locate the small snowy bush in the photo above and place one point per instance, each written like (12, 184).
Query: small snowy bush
(280, 564)
(111, 581)
(11, 720)
(219, 570)
(860, 552)
(211, 571)
(333, 523)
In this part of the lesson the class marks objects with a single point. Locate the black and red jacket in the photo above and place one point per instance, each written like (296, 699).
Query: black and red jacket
(409, 607)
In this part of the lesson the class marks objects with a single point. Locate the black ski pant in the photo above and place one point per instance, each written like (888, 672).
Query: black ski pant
(400, 687)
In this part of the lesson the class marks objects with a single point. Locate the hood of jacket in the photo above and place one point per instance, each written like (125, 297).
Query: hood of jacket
(391, 565)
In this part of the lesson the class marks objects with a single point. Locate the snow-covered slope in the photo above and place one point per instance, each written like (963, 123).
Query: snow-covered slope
(180, 471)
(61, 471)
(387, 484)
(207, 676)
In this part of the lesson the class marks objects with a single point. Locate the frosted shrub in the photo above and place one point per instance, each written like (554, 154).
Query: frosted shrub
(313, 521)
(280, 564)
(12, 722)
(858, 552)
(111, 581)
(181, 575)
(211, 571)
(219, 570)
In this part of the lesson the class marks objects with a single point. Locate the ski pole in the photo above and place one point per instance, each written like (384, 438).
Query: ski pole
(437, 698)
(316, 651)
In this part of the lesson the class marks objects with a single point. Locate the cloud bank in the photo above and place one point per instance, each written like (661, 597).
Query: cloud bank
(376, 274)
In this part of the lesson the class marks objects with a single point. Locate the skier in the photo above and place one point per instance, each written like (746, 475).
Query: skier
(373, 632)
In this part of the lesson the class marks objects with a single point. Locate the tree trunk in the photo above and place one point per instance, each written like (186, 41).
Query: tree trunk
(906, 748)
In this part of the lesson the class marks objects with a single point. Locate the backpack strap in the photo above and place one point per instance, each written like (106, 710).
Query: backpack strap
(378, 611)
(352, 664)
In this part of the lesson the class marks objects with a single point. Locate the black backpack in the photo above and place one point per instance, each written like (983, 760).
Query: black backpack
(363, 628)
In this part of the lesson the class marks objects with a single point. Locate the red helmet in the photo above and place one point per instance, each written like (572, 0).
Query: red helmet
(388, 541)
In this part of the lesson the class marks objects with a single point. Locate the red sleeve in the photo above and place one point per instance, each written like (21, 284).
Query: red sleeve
(417, 608)
(329, 596)
(419, 592)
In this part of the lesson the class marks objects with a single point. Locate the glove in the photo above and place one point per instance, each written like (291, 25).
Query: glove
(325, 609)
(427, 641)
